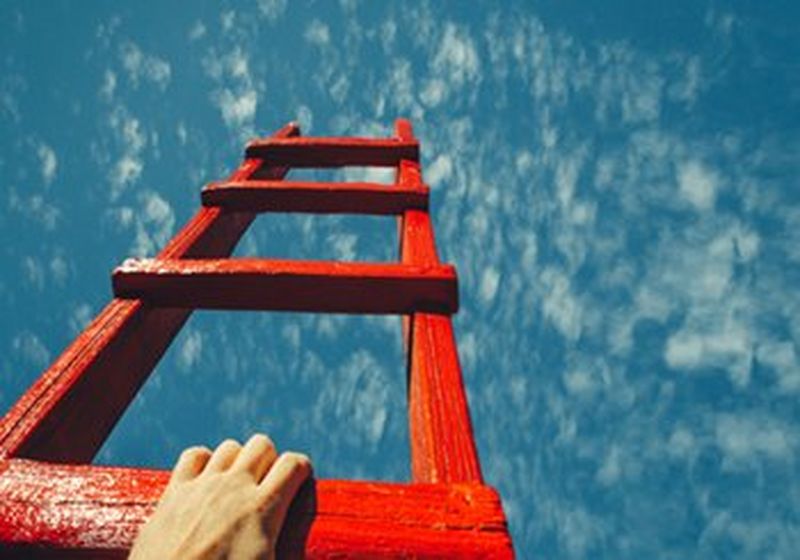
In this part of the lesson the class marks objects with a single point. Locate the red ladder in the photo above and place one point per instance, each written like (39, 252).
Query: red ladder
(53, 503)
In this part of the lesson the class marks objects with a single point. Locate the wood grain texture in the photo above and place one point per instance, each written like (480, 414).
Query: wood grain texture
(70, 410)
(299, 196)
(442, 441)
(83, 511)
(289, 285)
(332, 152)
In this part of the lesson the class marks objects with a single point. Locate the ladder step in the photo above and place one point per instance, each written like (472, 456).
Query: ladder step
(332, 152)
(299, 196)
(58, 511)
(289, 285)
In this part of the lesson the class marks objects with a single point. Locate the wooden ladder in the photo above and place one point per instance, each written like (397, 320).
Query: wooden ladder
(54, 503)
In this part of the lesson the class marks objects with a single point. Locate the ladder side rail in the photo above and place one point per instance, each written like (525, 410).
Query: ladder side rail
(442, 441)
(67, 414)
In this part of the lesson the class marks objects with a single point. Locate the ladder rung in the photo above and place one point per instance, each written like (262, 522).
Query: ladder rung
(289, 285)
(58, 511)
(298, 196)
(332, 152)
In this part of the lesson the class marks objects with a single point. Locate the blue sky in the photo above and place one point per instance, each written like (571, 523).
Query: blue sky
(616, 183)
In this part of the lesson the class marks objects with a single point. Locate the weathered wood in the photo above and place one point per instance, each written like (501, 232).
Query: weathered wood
(332, 152)
(298, 196)
(288, 285)
(85, 511)
(442, 441)
(73, 406)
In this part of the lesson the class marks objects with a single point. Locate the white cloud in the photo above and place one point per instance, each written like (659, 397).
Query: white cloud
(237, 108)
(237, 93)
(31, 348)
(109, 85)
(198, 31)
(48, 161)
(144, 67)
(80, 317)
(227, 20)
(272, 10)
(718, 330)
(490, 280)
(440, 170)
(698, 184)
(682, 444)
(559, 305)
(611, 469)
(305, 118)
(457, 58)
(126, 171)
(317, 33)
(191, 349)
(34, 272)
(35, 208)
(59, 269)
(401, 85)
(782, 358)
(725, 343)
(153, 222)
(434, 92)
(132, 139)
(688, 89)
(383, 175)
(746, 438)
(387, 35)
(359, 401)
(344, 246)
(181, 133)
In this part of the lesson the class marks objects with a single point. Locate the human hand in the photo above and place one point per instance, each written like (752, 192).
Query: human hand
(230, 504)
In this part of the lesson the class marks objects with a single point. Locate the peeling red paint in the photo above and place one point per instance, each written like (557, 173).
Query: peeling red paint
(63, 508)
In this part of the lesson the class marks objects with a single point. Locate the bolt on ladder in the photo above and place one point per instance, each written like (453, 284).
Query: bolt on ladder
(54, 503)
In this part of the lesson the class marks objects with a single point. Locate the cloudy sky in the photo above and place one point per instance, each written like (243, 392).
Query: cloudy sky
(617, 183)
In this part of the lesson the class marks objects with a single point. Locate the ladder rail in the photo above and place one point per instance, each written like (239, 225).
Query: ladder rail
(440, 428)
(67, 414)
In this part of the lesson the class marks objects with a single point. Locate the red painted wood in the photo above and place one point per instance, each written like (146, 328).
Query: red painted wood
(70, 410)
(296, 196)
(286, 285)
(57, 511)
(442, 441)
(332, 152)
(83, 511)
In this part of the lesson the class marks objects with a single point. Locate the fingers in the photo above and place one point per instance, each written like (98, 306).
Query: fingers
(224, 456)
(281, 483)
(257, 456)
(190, 464)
